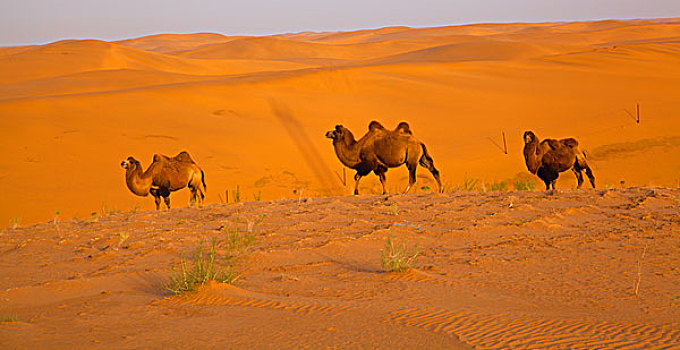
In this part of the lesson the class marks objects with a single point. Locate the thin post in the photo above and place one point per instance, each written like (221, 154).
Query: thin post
(226, 196)
(638, 114)
(505, 145)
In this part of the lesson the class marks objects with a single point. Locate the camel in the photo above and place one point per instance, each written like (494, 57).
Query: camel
(165, 175)
(381, 149)
(549, 157)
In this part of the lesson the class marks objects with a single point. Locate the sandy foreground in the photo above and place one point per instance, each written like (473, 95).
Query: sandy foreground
(497, 270)
(253, 111)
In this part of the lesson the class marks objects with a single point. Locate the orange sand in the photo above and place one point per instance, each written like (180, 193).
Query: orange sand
(497, 271)
(253, 111)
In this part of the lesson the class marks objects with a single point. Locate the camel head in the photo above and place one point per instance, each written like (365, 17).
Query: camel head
(130, 163)
(338, 133)
(529, 137)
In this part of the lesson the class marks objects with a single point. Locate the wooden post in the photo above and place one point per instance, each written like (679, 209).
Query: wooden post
(505, 145)
(638, 114)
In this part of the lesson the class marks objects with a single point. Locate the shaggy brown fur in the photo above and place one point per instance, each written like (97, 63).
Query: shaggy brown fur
(381, 149)
(549, 157)
(165, 175)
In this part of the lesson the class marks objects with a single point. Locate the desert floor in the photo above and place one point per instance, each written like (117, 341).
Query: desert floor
(496, 270)
(84, 263)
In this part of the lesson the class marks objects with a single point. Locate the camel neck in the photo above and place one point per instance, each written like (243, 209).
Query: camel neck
(347, 150)
(531, 156)
(138, 182)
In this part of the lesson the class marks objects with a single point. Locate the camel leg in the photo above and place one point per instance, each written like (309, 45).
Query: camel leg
(579, 176)
(590, 175)
(383, 179)
(582, 164)
(194, 197)
(428, 164)
(411, 177)
(357, 177)
(167, 201)
(156, 198)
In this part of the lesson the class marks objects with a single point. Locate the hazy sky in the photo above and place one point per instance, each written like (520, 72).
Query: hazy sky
(41, 21)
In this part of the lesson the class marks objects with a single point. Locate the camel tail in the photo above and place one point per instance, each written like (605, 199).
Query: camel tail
(205, 187)
(427, 162)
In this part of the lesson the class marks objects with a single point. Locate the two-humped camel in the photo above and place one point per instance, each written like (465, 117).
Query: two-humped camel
(549, 157)
(381, 149)
(165, 175)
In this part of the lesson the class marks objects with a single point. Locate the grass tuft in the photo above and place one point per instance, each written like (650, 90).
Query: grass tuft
(499, 186)
(524, 185)
(201, 269)
(10, 318)
(396, 257)
(239, 240)
(14, 222)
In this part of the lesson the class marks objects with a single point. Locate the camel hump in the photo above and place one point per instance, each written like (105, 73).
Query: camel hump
(159, 157)
(374, 125)
(403, 127)
(554, 144)
(570, 142)
(184, 157)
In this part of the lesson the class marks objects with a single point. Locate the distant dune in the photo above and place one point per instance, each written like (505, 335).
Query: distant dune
(72, 110)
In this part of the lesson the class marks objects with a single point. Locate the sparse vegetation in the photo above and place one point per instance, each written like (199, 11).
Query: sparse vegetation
(524, 184)
(256, 197)
(106, 210)
(10, 318)
(237, 194)
(397, 257)
(93, 218)
(14, 222)
(199, 270)
(468, 184)
(499, 186)
(237, 240)
(134, 209)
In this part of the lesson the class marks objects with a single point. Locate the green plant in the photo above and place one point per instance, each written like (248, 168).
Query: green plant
(93, 218)
(10, 318)
(524, 185)
(256, 197)
(237, 241)
(468, 184)
(201, 269)
(397, 258)
(106, 210)
(499, 186)
(237, 194)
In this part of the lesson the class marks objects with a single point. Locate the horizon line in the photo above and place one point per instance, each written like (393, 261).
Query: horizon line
(341, 30)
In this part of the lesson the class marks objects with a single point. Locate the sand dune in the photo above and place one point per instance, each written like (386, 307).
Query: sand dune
(213, 95)
(460, 87)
